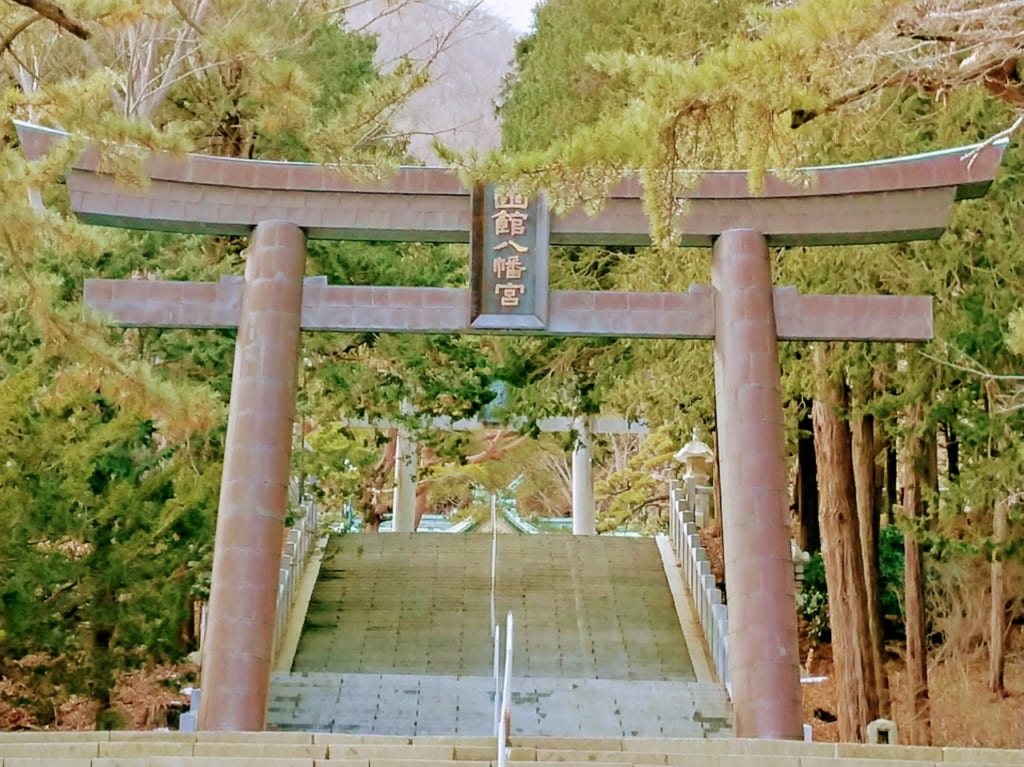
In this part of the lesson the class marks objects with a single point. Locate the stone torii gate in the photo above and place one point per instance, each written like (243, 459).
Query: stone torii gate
(279, 205)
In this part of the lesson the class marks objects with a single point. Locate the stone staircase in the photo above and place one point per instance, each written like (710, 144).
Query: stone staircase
(397, 641)
(280, 749)
(585, 609)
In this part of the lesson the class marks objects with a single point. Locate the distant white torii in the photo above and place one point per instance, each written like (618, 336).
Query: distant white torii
(584, 516)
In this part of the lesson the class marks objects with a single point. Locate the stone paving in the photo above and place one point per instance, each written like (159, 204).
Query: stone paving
(397, 640)
(405, 704)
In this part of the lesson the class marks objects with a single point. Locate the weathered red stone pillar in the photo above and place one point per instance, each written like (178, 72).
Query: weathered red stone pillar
(763, 648)
(239, 642)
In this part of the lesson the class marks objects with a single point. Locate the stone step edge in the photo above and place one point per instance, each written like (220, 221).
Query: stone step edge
(523, 744)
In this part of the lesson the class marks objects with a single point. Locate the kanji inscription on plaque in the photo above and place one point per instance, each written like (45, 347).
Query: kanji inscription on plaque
(509, 260)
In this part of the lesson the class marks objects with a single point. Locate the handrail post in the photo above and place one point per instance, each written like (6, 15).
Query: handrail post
(507, 690)
(497, 677)
(505, 723)
(494, 555)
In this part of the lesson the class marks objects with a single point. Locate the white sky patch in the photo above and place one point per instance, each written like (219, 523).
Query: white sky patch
(518, 13)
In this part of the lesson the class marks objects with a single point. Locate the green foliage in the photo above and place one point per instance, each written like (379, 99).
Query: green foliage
(373, 374)
(890, 571)
(110, 719)
(726, 94)
(812, 603)
(339, 64)
(102, 517)
(111, 442)
(636, 496)
(559, 84)
(340, 460)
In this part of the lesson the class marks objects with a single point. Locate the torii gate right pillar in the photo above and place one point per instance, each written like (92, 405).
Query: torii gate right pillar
(763, 642)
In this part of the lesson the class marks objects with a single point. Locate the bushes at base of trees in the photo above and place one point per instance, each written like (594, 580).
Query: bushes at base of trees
(812, 603)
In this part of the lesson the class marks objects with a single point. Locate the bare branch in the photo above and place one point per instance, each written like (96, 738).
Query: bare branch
(971, 156)
(192, 19)
(975, 370)
(53, 12)
(499, 445)
(390, 10)
(9, 40)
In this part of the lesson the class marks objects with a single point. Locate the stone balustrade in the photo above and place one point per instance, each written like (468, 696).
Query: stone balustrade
(299, 543)
(690, 505)
(685, 503)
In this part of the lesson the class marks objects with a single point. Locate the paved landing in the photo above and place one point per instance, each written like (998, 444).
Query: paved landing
(395, 704)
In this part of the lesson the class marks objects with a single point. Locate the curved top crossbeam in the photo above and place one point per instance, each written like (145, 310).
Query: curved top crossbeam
(905, 198)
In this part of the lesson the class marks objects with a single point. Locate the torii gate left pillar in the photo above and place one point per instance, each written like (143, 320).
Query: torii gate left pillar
(403, 506)
(239, 643)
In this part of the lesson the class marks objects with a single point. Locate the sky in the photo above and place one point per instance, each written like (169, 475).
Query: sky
(517, 12)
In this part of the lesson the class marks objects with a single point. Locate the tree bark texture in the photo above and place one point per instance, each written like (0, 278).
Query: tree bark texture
(863, 433)
(808, 531)
(997, 621)
(373, 502)
(917, 476)
(841, 553)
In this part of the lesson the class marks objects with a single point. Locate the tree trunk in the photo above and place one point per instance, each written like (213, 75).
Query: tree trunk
(806, 488)
(863, 429)
(997, 622)
(421, 502)
(373, 504)
(917, 469)
(841, 553)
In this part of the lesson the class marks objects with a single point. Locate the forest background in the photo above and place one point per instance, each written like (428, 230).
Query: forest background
(906, 461)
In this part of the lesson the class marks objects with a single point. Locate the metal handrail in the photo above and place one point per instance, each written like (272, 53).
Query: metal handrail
(496, 630)
(502, 687)
(298, 546)
(505, 720)
(494, 557)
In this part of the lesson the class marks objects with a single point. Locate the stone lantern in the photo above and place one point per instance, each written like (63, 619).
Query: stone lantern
(697, 457)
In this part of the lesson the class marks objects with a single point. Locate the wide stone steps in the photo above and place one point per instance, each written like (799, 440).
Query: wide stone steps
(588, 607)
(268, 749)
(397, 640)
